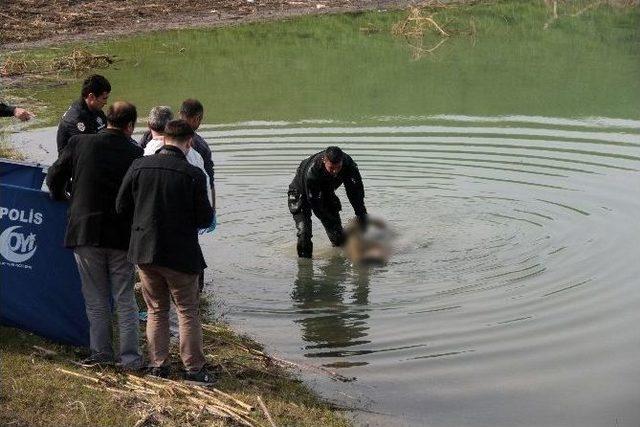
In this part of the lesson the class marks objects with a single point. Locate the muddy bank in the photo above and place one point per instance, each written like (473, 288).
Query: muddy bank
(37, 23)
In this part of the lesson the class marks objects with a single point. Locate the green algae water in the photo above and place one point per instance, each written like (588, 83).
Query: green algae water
(508, 165)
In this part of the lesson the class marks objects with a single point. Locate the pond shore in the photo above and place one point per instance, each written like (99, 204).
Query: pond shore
(42, 384)
(65, 22)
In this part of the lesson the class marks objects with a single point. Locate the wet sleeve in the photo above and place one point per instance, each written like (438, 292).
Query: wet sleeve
(313, 193)
(355, 190)
(203, 209)
(6, 110)
(60, 172)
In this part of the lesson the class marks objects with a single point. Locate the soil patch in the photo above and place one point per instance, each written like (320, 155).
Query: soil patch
(34, 23)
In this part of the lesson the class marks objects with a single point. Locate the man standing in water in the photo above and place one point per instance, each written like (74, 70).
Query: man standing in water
(85, 115)
(313, 190)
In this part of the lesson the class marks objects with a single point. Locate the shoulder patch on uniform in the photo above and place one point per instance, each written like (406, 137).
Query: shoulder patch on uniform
(99, 120)
(81, 127)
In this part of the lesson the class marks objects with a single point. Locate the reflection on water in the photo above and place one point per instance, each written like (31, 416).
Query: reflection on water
(328, 299)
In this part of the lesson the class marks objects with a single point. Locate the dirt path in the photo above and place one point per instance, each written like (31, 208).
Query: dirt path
(34, 23)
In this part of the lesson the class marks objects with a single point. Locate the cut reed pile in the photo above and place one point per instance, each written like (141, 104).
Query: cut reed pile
(253, 388)
(77, 61)
(161, 400)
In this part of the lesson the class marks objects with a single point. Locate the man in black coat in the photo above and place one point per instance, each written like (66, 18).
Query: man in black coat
(167, 198)
(85, 115)
(313, 190)
(98, 235)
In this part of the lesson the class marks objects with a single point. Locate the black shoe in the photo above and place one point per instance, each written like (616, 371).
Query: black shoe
(205, 376)
(97, 360)
(159, 371)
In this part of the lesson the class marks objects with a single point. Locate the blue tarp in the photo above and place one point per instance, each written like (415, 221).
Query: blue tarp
(39, 280)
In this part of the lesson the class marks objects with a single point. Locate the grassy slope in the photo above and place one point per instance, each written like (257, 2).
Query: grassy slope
(33, 392)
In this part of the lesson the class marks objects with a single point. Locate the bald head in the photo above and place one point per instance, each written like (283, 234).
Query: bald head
(121, 114)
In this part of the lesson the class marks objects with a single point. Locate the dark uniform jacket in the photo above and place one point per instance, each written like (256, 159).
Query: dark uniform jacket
(97, 164)
(79, 119)
(168, 200)
(6, 110)
(199, 144)
(317, 186)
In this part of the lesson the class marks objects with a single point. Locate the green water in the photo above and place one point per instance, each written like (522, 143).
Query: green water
(328, 68)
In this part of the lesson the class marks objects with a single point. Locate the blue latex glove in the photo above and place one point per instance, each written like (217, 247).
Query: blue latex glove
(211, 227)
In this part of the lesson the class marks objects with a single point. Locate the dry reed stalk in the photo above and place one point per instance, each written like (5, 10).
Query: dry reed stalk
(569, 8)
(75, 374)
(110, 389)
(145, 419)
(210, 409)
(238, 402)
(45, 352)
(266, 412)
(419, 22)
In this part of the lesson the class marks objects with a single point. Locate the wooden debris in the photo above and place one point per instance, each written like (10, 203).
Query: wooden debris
(266, 412)
(167, 393)
(46, 353)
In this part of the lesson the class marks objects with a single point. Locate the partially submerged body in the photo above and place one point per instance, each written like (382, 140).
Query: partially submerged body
(371, 247)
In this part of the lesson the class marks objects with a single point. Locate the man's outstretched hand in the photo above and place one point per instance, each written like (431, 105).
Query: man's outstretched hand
(22, 114)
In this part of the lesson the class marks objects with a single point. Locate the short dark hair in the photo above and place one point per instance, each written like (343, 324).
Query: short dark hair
(178, 131)
(95, 84)
(121, 113)
(191, 108)
(334, 154)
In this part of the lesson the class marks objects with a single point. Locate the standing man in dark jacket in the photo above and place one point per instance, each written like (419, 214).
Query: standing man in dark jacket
(168, 200)
(313, 190)
(98, 235)
(7, 110)
(85, 115)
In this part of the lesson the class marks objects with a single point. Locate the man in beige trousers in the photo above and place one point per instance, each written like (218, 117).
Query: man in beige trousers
(167, 198)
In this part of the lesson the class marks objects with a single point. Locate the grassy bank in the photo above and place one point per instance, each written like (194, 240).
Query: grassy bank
(42, 386)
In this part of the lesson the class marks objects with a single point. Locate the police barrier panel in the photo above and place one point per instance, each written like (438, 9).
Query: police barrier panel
(22, 174)
(39, 280)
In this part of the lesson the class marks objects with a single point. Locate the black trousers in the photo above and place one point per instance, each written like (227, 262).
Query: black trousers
(328, 214)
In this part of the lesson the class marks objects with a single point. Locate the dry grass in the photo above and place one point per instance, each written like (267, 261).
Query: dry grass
(424, 30)
(6, 150)
(559, 9)
(41, 385)
(77, 61)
